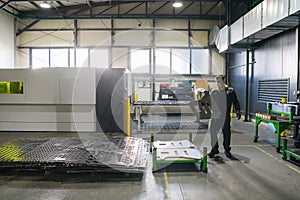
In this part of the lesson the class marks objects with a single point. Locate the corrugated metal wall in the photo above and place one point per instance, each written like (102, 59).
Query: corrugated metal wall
(275, 58)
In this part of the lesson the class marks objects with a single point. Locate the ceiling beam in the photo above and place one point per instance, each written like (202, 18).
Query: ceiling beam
(107, 9)
(213, 7)
(134, 8)
(185, 8)
(27, 27)
(4, 4)
(35, 5)
(77, 11)
(128, 16)
(159, 7)
(60, 4)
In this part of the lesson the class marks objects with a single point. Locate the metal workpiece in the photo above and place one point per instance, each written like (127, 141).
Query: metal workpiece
(183, 151)
(116, 153)
(201, 109)
(161, 102)
(173, 144)
(173, 127)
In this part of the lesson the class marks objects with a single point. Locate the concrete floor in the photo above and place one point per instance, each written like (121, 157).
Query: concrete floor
(258, 173)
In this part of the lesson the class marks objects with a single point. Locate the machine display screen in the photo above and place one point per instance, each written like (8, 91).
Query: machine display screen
(11, 87)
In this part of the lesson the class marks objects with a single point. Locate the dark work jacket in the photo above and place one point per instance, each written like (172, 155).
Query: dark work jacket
(222, 100)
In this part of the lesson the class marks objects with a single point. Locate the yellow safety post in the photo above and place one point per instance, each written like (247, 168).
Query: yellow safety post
(136, 97)
(283, 100)
(127, 117)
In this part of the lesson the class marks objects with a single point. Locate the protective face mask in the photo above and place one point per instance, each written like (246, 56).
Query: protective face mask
(220, 85)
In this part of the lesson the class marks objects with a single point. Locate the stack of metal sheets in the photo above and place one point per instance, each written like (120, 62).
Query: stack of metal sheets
(98, 152)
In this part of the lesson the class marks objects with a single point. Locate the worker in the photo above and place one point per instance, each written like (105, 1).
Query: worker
(222, 99)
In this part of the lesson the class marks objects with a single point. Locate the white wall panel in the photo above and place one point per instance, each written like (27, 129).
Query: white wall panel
(52, 24)
(171, 24)
(119, 58)
(294, 6)
(253, 21)
(21, 126)
(94, 23)
(46, 38)
(42, 90)
(47, 113)
(199, 38)
(236, 31)
(43, 106)
(12, 98)
(171, 38)
(94, 38)
(22, 58)
(218, 63)
(205, 24)
(132, 23)
(77, 90)
(274, 10)
(7, 44)
(132, 38)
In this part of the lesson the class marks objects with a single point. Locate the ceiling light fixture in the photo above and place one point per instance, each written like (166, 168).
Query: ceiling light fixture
(45, 5)
(177, 4)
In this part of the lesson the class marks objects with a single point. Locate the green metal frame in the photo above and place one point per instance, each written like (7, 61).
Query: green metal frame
(155, 161)
(287, 154)
(279, 125)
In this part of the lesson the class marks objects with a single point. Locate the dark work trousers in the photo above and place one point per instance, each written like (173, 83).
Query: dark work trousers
(215, 126)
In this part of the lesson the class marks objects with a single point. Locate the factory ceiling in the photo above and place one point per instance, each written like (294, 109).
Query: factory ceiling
(113, 9)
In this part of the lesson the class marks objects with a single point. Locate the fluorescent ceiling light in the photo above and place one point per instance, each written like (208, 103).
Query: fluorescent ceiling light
(177, 4)
(45, 5)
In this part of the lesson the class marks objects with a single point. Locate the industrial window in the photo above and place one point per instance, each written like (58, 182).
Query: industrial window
(99, 58)
(72, 57)
(273, 90)
(180, 61)
(200, 61)
(119, 58)
(140, 61)
(162, 61)
(11, 87)
(82, 57)
(59, 58)
(39, 58)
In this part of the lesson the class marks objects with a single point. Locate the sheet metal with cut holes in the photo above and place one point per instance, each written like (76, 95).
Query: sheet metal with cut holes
(175, 154)
(182, 144)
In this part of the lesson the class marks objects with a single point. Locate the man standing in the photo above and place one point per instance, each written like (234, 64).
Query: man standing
(222, 99)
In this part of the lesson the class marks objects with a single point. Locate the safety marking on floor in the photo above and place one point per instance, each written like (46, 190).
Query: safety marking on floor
(279, 160)
(268, 154)
(251, 145)
(165, 176)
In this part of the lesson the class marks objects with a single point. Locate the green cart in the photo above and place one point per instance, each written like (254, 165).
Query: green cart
(279, 124)
(178, 152)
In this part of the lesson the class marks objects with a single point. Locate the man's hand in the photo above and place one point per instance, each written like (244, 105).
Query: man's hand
(238, 115)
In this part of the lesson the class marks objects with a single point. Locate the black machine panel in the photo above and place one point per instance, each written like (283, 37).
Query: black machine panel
(110, 95)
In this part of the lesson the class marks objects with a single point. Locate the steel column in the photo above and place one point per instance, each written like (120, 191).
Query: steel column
(247, 87)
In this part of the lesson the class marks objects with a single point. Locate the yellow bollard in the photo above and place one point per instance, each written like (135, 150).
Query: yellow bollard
(127, 117)
(283, 100)
(136, 97)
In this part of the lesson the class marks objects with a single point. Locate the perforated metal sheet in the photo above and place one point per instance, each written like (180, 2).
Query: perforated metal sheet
(182, 144)
(175, 154)
(116, 153)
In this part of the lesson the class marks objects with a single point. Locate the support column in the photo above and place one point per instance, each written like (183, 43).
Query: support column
(247, 87)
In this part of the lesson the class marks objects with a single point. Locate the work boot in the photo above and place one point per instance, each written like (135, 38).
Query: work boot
(228, 154)
(212, 153)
